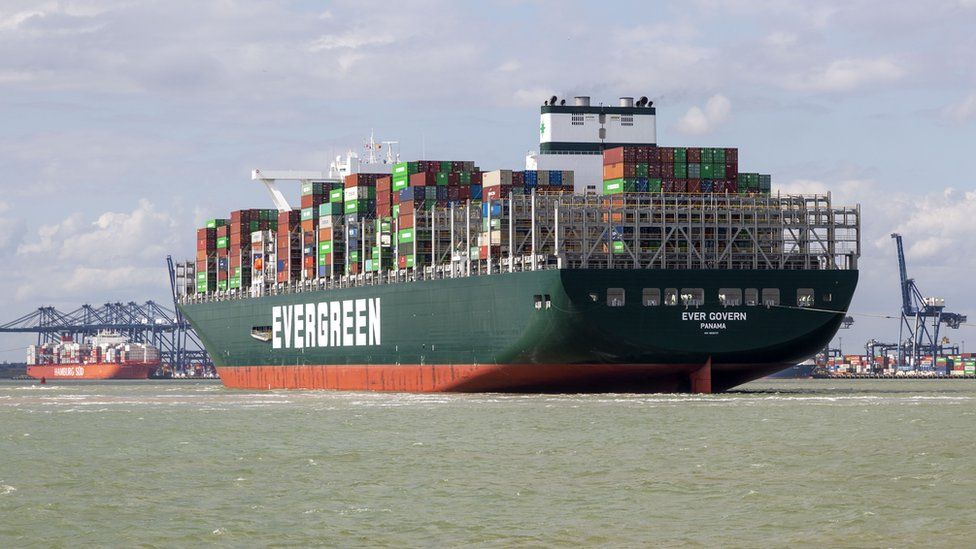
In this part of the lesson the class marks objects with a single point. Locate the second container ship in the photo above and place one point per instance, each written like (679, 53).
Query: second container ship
(609, 264)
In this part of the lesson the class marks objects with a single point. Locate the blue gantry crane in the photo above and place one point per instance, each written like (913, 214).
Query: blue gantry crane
(921, 319)
(149, 322)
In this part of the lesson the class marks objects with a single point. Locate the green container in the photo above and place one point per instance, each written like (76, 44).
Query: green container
(384, 225)
(405, 236)
(404, 169)
(325, 247)
(202, 277)
(654, 185)
(445, 165)
(718, 156)
(335, 195)
(396, 210)
(440, 178)
(309, 214)
(234, 283)
(222, 242)
(214, 223)
(680, 155)
(354, 256)
(222, 285)
(358, 206)
(330, 208)
(706, 171)
(680, 170)
(620, 185)
(401, 182)
(465, 178)
(642, 170)
(618, 247)
(706, 156)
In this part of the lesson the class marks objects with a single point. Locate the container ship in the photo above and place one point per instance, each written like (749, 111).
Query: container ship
(104, 356)
(608, 264)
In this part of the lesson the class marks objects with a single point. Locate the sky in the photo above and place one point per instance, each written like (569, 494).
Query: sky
(125, 124)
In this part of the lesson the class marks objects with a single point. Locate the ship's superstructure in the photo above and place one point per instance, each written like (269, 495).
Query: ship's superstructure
(654, 268)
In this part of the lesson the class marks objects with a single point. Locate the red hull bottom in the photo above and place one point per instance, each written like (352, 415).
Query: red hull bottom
(90, 371)
(535, 378)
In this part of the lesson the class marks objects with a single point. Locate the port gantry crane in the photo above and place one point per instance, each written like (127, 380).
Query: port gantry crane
(922, 318)
(149, 323)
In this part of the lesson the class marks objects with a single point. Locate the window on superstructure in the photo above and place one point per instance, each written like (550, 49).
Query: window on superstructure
(577, 120)
(538, 301)
(827, 297)
(651, 297)
(671, 296)
(730, 297)
(548, 301)
(804, 297)
(692, 297)
(615, 297)
(751, 297)
(626, 120)
(770, 297)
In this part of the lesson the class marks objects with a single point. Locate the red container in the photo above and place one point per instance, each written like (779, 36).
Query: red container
(731, 170)
(496, 192)
(453, 179)
(423, 179)
(402, 262)
(617, 155)
(407, 207)
(667, 155)
(362, 179)
(653, 154)
(680, 185)
(732, 155)
(693, 186)
(694, 155)
(453, 193)
(476, 178)
(405, 221)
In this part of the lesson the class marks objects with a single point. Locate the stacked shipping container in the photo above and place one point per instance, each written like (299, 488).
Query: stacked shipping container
(675, 170)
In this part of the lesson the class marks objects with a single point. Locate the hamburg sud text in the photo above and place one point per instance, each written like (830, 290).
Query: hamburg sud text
(347, 323)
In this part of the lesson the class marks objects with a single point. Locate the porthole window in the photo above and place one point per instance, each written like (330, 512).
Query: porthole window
(692, 297)
(730, 297)
(770, 297)
(615, 297)
(651, 297)
(538, 301)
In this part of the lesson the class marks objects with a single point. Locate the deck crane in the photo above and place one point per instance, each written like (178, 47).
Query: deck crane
(921, 317)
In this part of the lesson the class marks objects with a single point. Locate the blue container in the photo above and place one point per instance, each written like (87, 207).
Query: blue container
(707, 186)
(531, 184)
(531, 177)
(441, 193)
(222, 263)
(496, 208)
(641, 185)
(476, 192)
(323, 270)
(281, 265)
(555, 177)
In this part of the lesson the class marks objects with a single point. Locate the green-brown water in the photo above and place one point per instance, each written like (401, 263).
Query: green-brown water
(777, 463)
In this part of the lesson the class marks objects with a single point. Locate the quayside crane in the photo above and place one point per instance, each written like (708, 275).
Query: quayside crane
(921, 319)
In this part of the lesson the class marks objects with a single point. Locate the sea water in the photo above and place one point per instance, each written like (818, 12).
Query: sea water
(774, 463)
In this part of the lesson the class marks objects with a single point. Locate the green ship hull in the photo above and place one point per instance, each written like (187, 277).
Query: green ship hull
(568, 330)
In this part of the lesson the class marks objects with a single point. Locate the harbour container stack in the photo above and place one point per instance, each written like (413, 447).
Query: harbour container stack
(694, 170)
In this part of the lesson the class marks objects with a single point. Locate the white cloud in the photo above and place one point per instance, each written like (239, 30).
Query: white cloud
(116, 253)
(963, 110)
(351, 39)
(699, 121)
(845, 75)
